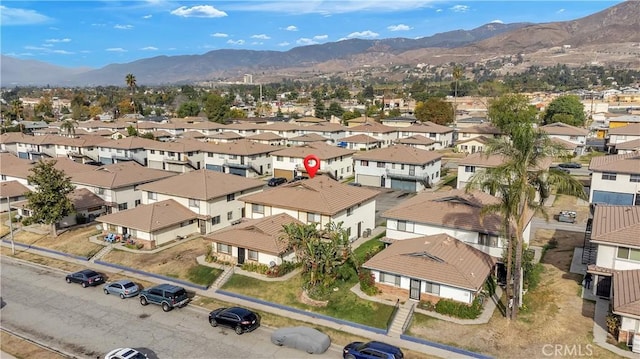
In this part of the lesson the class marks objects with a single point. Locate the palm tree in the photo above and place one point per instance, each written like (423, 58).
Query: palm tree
(131, 83)
(69, 127)
(457, 75)
(523, 184)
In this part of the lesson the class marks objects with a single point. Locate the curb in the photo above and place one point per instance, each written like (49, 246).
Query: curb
(42, 249)
(159, 276)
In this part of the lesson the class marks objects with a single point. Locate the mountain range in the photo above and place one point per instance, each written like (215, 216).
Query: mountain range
(609, 37)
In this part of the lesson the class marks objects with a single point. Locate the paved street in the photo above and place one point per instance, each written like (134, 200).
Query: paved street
(87, 323)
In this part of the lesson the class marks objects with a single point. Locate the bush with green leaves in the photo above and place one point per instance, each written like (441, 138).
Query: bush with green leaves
(457, 309)
(367, 282)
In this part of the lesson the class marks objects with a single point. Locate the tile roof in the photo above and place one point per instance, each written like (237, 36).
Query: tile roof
(13, 166)
(399, 154)
(83, 198)
(624, 163)
(374, 127)
(226, 135)
(481, 159)
(242, 147)
(128, 143)
(438, 258)
(415, 140)
(564, 143)
(481, 139)
(310, 120)
(626, 292)
(630, 129)
(12, 189)
(308, 137)
(485, 128)
(559, 128)
(281, 126)
(192, 134)
(324, 127)
(426, 127)
(265, 136)
(202, 184)
(616, 224)
(633, 145)
(320, 149)
(181, 145)
(360, 138)
(262, 235)
(119, 175)
(450, 209)
(204, 125)
(243, 126)
(320, 195)
(150, 217)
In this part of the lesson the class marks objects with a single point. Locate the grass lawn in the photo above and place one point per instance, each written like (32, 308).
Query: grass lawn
(4, 228)
(74, 241)
(178, 261)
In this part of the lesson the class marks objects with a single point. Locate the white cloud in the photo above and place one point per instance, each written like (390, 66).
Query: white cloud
(399, 27)
(198, 11)
(284, 44)
(219, 34)
(96, 24)
(328, 7)
(236, 42)
(459, 8)
(261, 37)
(30, 47)
(497, 21)
(115, 49)
(147, 16)
(15, 16)
(62, 52)
(48, 45)
(321, 37)
(363, 34)
(149, 48)
(439, 10)
(291, 28)
(560, 11)
(54, 41)
(257, 43)
(306, 41)
(123, 27)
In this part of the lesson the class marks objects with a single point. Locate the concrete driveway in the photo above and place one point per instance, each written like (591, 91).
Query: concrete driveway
(387, 199)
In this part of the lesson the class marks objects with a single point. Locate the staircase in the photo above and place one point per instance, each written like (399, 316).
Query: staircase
(402, 319)
(589, 249)
(103, 252)
(224, 277)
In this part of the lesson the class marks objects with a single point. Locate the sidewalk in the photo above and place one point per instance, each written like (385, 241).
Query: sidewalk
(435, 349)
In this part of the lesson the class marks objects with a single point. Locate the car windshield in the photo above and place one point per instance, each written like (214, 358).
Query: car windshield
(128, 284)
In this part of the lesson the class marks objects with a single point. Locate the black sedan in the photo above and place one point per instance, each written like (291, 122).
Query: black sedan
(276, 181)
(570, 165)
(86, 277)
(240, 319)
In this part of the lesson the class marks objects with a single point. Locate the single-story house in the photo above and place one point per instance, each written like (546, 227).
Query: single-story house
(10, 193)
(626, 304)
(87, 205)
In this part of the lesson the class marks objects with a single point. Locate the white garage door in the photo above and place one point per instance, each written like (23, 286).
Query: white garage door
(368, 180)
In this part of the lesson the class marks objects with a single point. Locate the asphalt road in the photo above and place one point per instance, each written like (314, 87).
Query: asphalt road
(85, 322)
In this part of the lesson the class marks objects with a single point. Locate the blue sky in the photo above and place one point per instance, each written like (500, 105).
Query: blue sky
(97, 33)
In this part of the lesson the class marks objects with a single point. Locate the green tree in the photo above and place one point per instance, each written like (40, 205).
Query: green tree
(511, 110)
(368, 93)
(69, 127)
(523, 185)
(237, 113)
(334, 110)
(49, 202)
(435, 110)
(216, 108)
(17, 110)
(457, 73)
(131, 131)
(189, 108)
(44, 108)
(566, 109)
(131, 83)
(319, 109)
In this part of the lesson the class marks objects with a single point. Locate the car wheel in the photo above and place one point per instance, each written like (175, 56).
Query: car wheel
(121, 296)
(349, 356)
(238, 330)
(166, 307)
(84, 284)
(213, 323)
(106, 292)
(68, 280)
(143, 301)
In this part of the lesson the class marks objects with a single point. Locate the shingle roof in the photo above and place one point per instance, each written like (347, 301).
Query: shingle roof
(437, 258)
(14, 166)
(12, 189)
(119, 175)
(128, 143)
(415, 140)
(262, 235)
(265, 136)
(626, 292)
(630, 129)
(451, 209)
(633, 145)
(320, 195)
(309, 137)
(624, 163)
(150, 217)
(616, 224)
(83, 198)
(426, 127)
(481, 159)
(399, 154)
(320, 149)
(226, 135)
(202, 184)
(242, 147)
(181, 145)
(324, 127)
(373, 127)
(559, 128)
(481, 139)
(565, 144)
(360, 138)
(485, 128)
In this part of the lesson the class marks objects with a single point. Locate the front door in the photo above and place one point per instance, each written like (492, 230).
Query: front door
(414, 293)
(241, 255)
(359, 229)
(382, 181)
(603, 288)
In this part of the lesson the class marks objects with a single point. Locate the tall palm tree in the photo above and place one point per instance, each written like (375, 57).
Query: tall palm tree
(523, 184)
(457, 75)
(69, 127)
(131, 83)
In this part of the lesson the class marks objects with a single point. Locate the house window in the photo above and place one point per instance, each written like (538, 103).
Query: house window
(470, 169)
(313, 217)
(152, 195)
(432, 288)
(487, 240)
(252, 255)
(629, 253)
(99, 191)
(364, 163)
(153, 152)
(4, 177)
(194, 203)
(381, 164)
(137, 202)
(257, 208)
(634, 178)
(231, 197)
(279, 158)
(230, 215)
(232, 157)
(122, 206)
(609, 176)
(215, 220)
(402, 225)
(224, 248)
(390, 279)
(349, 211)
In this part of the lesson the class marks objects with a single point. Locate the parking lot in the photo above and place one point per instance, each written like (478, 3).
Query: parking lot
(388, 199)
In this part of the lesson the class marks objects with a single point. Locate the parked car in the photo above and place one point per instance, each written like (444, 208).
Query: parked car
(355, 184)
(86, 277)
(570, 165)
(124, 288)
(298, 178)
(169, 296)
(306, 339)
(125, 353)
(373, 349)
(276, 181)
(567, 216)
(242, 320)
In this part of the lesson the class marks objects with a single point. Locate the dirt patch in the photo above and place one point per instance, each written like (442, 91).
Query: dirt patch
(21, 348)
(74, 241)
(35, 258)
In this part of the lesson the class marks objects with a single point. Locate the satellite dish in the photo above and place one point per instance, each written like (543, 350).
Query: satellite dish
(272, 264)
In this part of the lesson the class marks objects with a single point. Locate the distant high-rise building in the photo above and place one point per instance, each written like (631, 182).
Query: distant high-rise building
(248, 78)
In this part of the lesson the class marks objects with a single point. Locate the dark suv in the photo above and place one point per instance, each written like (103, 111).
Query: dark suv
(86, 277)
(373, 349)
(167, 295)
(240, 319)
(276, 181)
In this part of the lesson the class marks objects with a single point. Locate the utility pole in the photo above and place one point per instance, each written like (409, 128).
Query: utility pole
(13, 246)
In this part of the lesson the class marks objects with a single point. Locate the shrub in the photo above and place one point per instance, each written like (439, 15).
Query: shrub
(456, 309)
(27, 221)
(346, 272)
(613, 324)
(255, 267)
(367, 282)
(532, 276)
